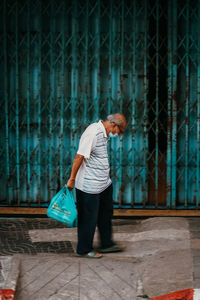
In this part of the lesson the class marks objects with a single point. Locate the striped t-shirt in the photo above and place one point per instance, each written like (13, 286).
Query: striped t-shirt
(93, 176)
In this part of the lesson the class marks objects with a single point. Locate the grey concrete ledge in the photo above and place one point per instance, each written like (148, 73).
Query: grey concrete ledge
(9, 272)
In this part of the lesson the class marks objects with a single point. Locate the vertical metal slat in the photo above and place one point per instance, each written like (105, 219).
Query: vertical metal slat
(121, 100)
(114, 85)
(39, 102)
(28, 141)
(96, 75)
(51, 98)
(198, 116)
(110, 56)
(169, 153)
(133, 117)
(62, 98)
(187, 105)
(17, 104)
(157, 104)
(174, 104)
(86, 71)
(113, 91)
(6, 103)
(74, 77)
(145, 117)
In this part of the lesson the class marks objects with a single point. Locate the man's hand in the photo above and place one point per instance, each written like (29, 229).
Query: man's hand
(70, 184)
(76, 165)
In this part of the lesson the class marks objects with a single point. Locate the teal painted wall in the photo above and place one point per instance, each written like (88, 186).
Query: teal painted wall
(65, 64)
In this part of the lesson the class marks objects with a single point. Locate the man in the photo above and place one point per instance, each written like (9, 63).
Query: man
(90, 174)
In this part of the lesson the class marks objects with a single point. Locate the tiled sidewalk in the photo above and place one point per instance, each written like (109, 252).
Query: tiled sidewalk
(15, 239)
(162, 256)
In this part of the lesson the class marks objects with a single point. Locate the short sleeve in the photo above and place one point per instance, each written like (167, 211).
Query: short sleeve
(86, 144)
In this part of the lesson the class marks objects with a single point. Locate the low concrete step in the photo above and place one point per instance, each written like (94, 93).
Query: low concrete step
(9, 273)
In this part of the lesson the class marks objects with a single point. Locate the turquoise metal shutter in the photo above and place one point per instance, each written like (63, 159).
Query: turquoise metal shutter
(65, 64)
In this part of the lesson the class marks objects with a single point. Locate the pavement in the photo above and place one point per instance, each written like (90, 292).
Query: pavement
(38, 260)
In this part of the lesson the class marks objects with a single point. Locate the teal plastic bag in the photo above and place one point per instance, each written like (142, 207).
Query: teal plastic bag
(62, 208)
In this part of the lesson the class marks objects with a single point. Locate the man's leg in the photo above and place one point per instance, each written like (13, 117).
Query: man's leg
(105, 217)
(88, 206)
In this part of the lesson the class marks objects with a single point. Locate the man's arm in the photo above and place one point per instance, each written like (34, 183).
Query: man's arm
(78, 159)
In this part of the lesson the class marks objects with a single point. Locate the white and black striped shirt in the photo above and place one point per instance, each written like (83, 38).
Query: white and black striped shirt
(93, 176)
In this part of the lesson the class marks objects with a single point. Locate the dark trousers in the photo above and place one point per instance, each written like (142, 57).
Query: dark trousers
(94, 210)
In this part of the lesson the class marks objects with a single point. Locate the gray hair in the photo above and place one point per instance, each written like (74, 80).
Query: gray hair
(115, 118)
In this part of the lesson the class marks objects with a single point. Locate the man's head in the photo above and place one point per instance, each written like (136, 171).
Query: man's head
(116, 124)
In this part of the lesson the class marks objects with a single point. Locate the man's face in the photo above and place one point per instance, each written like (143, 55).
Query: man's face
(118, 129)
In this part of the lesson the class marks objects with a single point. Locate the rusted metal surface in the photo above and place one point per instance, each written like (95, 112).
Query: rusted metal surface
(66, 64)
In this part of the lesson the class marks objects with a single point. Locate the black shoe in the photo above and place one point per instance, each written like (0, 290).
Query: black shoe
(113, 248)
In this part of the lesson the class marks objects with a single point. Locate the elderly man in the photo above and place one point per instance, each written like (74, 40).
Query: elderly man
(90, 174)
